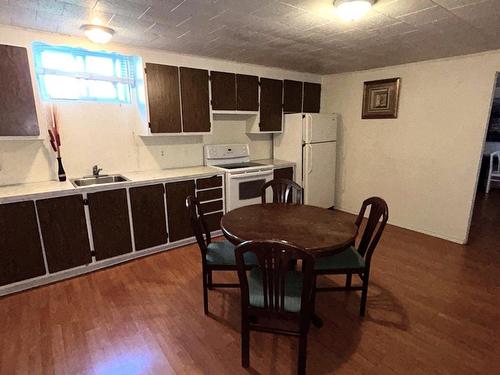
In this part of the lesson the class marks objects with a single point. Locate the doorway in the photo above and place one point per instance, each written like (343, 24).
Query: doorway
(485, 221)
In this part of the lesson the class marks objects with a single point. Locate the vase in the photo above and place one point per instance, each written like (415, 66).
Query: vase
(60, 170)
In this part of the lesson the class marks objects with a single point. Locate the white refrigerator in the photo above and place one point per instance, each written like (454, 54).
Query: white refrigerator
(310, 140)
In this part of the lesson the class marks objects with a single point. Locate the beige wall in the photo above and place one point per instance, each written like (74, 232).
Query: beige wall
(104, 133)
(425, 162)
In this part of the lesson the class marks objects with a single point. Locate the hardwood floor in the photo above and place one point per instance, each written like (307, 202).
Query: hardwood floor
(433, 308)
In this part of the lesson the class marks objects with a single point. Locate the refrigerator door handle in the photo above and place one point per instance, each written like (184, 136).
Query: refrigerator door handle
(309, 159)
(308, 128)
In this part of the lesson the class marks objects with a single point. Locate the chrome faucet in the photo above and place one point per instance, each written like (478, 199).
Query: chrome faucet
(96, 170)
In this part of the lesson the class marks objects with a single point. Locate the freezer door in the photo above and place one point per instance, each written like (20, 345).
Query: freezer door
(318, 127)
(319, 174)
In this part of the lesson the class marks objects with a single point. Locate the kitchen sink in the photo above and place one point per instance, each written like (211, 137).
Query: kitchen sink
(104, 179)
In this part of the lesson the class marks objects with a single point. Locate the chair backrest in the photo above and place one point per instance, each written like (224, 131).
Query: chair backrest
(200, 228)
(494, 155)
(284, 191)
(379, 214)
(275, 260)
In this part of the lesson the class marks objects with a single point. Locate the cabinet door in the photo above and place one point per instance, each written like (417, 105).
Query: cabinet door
(292, 98)
(312, 97)
(148, 216)
(17, 102)
(110, 223)
(163, 98)
(213, 221)
(247, 92)
(21, 255)
(64, 232)
(223, 86)
(179, 225)
(195, 100)
(271, 93)
(286, 173)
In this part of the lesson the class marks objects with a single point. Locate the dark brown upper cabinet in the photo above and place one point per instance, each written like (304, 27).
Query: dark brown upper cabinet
(292, 96)
(148, 216)
(271, 109)
(110, 223)
(223, 88)
(179, 224)
(195, 100)
(17, 101)
(21, 255)
(163, 98)
(64, 232)
(247, 92)
(312, 97)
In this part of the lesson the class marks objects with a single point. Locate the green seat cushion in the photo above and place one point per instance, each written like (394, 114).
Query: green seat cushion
(222, 253)
(293, 290)
(347, 259)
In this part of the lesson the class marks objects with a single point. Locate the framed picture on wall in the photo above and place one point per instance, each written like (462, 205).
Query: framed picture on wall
(381, 98)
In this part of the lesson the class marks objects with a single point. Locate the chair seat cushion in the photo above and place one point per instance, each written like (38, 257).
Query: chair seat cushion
(347, 259)
(222, 253)
(293, 290)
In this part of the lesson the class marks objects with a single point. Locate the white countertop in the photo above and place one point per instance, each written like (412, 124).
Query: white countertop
(276, 162)
(45, 189)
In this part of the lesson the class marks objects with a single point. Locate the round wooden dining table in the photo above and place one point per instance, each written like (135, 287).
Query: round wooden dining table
(319, 231)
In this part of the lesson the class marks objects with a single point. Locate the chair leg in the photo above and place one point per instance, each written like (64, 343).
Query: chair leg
(364, 295)
(205, 292)
(348, 280)
(302, 354)
(245, 343)
(488, 183)
(209, 277)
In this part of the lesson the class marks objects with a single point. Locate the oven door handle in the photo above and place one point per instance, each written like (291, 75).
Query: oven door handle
(254, 174)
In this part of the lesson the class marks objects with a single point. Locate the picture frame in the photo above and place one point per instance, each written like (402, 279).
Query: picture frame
(381, 98)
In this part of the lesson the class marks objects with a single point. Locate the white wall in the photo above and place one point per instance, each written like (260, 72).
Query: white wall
(425, 162)
(104, 133)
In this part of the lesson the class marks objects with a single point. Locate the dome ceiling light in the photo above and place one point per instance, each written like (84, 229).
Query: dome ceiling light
(98, 33)
(352, 10)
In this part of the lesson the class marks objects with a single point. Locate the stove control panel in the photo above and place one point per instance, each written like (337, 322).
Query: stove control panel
(226, 151)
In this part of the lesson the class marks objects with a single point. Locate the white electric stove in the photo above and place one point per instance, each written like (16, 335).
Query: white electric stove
(244, 178)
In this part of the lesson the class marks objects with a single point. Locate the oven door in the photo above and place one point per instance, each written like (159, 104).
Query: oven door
(243, 189)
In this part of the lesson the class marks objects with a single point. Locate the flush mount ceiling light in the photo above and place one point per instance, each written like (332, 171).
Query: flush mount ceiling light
(352, 10)
(98, 33)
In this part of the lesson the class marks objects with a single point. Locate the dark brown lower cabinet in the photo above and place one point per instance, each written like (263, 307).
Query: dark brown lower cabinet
(64, 232)
(286, 173)
(148, 216)
(21, 255)
(110, 223)
(207, 195)
(179, 225)
(209, 182)
(213, 221)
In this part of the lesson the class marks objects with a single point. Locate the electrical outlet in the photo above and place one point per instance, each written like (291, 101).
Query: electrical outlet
(162, 153)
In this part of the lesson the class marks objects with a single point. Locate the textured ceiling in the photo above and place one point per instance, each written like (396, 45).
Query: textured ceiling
(292, 34)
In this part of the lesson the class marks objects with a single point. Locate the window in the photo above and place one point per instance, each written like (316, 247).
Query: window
(68, 73)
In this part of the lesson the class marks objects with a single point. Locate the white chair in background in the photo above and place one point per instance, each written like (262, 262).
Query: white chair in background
(493, 173)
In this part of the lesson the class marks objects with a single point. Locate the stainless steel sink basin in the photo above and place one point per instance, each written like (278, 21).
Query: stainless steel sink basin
(104, 179)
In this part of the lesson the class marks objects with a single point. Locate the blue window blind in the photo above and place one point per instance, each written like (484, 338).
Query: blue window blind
(68, 73)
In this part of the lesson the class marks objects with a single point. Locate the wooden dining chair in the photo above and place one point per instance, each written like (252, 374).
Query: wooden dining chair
(357, 260)
(284, 191)
(275, 298)
(215, 256)
(493, 172)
